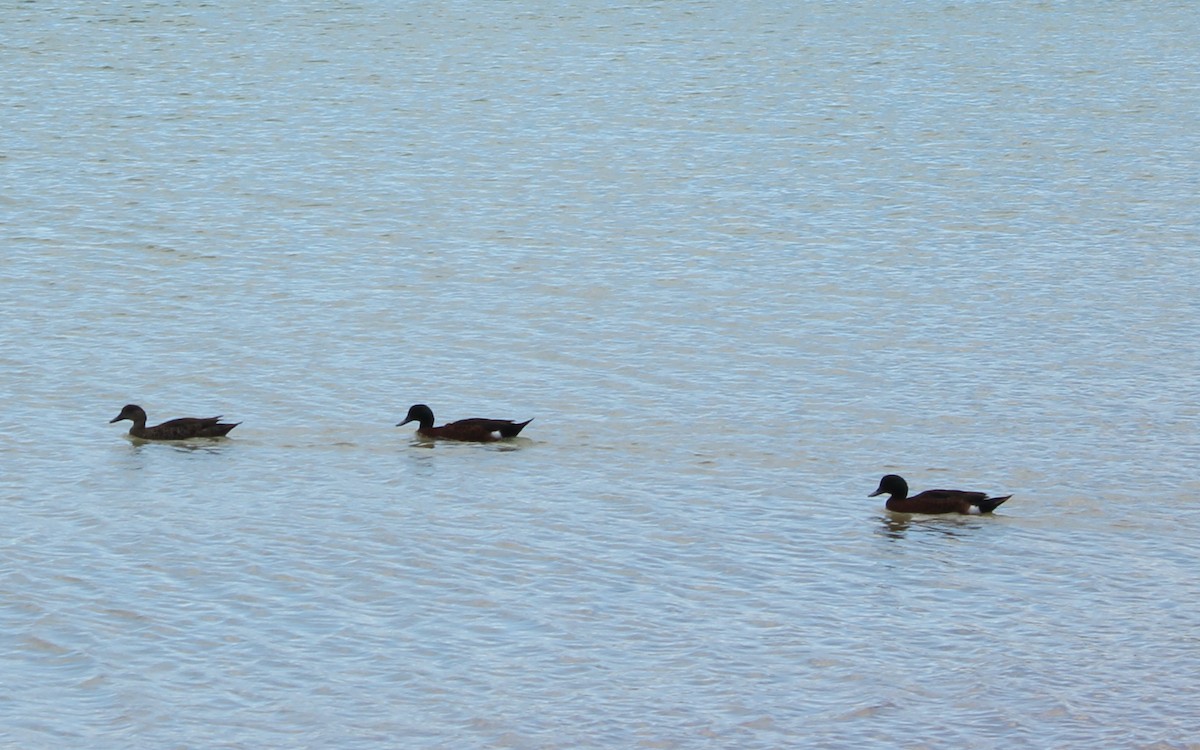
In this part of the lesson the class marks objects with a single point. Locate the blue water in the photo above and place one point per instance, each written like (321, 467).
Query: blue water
(736, 262)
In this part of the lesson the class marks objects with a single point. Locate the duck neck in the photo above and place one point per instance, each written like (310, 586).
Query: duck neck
(139, 425)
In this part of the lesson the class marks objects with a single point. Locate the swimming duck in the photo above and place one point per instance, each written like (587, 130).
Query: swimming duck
(175, 429)
(471, 430)
(933, 501)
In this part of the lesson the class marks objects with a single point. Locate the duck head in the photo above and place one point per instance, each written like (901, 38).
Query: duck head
(132, 412)
(419, 413)
(893, 485)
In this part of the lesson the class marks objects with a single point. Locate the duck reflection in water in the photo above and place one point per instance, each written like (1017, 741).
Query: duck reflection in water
(898, 525)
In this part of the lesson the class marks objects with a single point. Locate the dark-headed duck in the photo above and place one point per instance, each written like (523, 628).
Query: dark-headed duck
(470, 430)
(933, 501)
(175, 429)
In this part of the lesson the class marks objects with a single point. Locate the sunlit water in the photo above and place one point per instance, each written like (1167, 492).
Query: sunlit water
(736, 260)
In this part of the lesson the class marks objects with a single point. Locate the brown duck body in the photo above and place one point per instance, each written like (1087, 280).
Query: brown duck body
(475, 430)
(934, 501)
(183, 428)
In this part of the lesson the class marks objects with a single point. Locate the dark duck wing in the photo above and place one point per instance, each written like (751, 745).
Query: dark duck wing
(188, 427)
(937, 501)
(480, 430)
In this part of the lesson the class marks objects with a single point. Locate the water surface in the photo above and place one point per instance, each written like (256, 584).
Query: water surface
(737, 262)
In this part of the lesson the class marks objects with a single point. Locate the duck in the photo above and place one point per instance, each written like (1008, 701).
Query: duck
(175, 429)
(933, 501)
(474, 430)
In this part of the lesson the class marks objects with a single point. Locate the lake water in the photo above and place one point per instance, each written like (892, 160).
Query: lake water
(737, 260)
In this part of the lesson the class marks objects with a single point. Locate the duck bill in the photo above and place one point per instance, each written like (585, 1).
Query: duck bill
(876, 492)
(115, 419)
(401, 424)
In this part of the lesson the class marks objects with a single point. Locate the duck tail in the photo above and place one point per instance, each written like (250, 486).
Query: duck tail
(513, 428)
(987, 505)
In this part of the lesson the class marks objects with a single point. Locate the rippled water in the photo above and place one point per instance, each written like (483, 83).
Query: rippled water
(737, 261)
